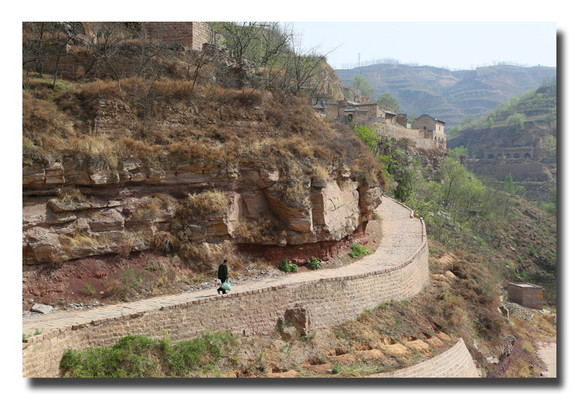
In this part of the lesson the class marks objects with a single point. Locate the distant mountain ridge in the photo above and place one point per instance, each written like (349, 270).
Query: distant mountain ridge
(446, 94)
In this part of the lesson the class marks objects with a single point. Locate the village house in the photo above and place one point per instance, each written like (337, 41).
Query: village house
(430, 127)
(361, 112)
(427, 131)
(401, 120)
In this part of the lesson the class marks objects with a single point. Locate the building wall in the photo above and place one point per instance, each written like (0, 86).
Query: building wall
(328, 302)
(521, 169)
(526, 294)
(191, 35)
(415, 135)
(435, 128)
(202, 33)
(170, 32)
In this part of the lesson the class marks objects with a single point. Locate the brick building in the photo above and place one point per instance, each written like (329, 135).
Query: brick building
(190, 35)
(526, 294)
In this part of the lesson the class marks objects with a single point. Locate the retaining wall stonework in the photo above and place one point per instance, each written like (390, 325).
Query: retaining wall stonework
(330, 297)
(456, 362)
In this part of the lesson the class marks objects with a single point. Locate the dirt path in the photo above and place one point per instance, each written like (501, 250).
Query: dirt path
(402, 237)
(547, 353)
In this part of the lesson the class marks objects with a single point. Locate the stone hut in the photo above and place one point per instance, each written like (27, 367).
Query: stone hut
(526, 294)
(189, 35)
(389, 116)
(362, 112)
(431, 127)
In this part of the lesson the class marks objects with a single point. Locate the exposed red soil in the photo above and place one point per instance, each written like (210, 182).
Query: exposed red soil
(101, 278)
(82, 280)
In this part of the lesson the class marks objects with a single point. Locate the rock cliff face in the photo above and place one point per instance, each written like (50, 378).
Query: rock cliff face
(144, 206)
(181, 172)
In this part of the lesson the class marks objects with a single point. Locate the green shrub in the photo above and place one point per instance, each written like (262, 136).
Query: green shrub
(358, 250)
(516, 121)
(129, 358)
(314, 263)
(336, 369)
(89, 289)
(286, 266)
(137, 356)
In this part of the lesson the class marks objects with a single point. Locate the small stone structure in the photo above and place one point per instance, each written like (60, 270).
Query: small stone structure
(190, 35)
(526, 294)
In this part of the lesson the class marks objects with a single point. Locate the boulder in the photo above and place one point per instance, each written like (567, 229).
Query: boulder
(42, 308)
(299, 317)
(42, 246)
(418, 345)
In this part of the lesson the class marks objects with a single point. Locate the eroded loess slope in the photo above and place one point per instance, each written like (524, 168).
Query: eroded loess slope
(178, 179)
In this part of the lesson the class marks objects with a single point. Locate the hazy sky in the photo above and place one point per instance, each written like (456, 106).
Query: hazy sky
(455, 45)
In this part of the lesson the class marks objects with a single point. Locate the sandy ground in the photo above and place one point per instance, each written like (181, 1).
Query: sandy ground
(547, 353)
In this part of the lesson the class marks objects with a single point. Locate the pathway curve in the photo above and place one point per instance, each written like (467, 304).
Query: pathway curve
(547, 353)
(403, 237)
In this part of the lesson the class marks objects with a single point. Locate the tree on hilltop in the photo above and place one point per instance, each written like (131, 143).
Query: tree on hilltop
(363, 85)
(387, 101)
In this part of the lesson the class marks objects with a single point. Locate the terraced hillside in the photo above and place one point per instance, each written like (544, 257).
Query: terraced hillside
(449, 95)
(517, 139)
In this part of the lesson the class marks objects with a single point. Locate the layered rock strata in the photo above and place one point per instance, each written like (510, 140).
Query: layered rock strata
(75, 208)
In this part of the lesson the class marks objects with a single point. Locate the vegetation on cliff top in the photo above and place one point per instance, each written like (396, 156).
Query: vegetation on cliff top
(124, 101)
(183, 107)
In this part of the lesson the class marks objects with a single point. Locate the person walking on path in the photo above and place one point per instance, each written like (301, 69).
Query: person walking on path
(223, 275)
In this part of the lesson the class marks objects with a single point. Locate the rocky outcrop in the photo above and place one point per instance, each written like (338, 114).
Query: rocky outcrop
(139, 205)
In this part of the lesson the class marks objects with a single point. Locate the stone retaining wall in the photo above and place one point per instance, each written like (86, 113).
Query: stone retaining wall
(456, 362)
(326, 301)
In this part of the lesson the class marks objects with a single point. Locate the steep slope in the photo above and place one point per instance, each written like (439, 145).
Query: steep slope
(517, 139)
(150, 153)
(193, 180)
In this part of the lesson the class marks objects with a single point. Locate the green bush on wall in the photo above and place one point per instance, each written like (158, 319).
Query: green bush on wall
(358, 250)
(286, 266)
(314, 263)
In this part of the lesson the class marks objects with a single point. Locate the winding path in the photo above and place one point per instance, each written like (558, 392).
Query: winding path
(402, 237)
(547, 353)
(398, 269)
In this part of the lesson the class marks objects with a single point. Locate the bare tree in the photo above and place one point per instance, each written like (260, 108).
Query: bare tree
(302, 68)
(34, 49)
(61, 49)
(240, 38)
(274, 45)
(108, 37)
(198, 60)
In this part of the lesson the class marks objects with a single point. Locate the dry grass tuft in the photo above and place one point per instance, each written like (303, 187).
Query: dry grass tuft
(207, 203)
(164, 120)
(71, 196)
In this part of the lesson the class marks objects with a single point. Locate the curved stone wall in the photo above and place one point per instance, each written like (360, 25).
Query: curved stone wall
(456, 362)
(325, 297)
